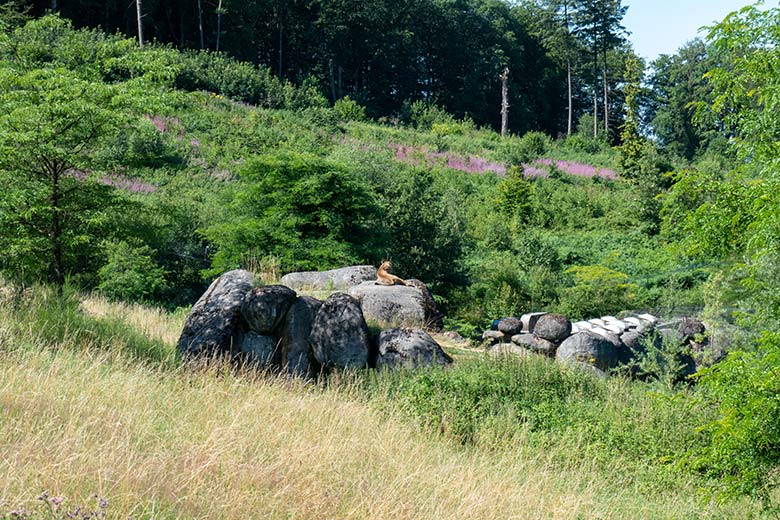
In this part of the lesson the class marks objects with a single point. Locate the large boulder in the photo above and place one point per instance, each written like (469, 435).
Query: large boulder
(212, 326)
(409, 348)
(264, 308)
(553, 327)
(536, 344)
(510, 326)
(297, 356)
(339, 335)
(260, 349)
(690, 329)
(491, 337)
(529, 320)
(590, 349)
(391, 305)
(333, 280)
(434, 320)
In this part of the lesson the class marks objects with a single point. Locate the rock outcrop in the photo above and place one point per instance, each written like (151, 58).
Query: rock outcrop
(553, 327)
(391, 305)
(408, 348)
(591, 349)
(297, 355)
(264, 308)
(213, 325)
(333, 280)
(535, 344)
(339, 335)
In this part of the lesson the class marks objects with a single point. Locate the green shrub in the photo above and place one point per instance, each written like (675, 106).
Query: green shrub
(131, 273)
(309, 212)
(348, 110)
(597, 291)
(744, 440)
(423, 115)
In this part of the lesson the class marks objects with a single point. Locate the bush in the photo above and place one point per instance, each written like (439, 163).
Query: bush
(348, 110)
(131, 274)
(423, 115)
(744, 441)
(597, 291)
(309, 212)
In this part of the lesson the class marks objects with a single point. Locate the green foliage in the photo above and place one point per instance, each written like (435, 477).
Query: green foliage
(680, 101)
(131, 273)
(424, 233)
(309, 212)
(348, 110)
(529, 147)
(424, 115)
(500, 402)
(515, 197)
(632, 144)
(58, 321)
(480, 395)
(744, 441)
(51, 125)
(597, 291)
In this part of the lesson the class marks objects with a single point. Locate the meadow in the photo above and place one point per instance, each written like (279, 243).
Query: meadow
(93, 407)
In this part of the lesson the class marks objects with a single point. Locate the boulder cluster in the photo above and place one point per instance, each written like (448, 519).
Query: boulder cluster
(601, 344)
(274, 327)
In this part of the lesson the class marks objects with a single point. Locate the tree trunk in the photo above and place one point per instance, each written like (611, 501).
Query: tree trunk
(606, 93)
(504, 102)
(200, 23)
(219, 23)
(281, 41)
(571, 110)
(568, 68)
(595, 92)
(140, 25)
(56, 268)
(53, 6)
(332, 81)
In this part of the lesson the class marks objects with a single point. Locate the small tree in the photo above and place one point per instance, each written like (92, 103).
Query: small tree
(50, 124)
(632, 143)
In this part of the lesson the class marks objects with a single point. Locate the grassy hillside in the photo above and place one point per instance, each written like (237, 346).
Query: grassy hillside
(89, 407)
(203, 164)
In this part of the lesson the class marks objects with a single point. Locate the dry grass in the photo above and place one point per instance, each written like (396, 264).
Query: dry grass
(180, 444)
(152, 322)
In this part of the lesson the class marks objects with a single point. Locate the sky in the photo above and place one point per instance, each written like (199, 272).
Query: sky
(663, 26)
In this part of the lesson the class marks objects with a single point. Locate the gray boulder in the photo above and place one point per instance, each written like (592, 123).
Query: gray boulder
(690, 328)
(212, 325)
(333, 280)
(434, 320)
(529, 320)
(297, 356)
(553, 327)
(510, 326)
(491, 337)
(339, 335)
(409, 348)
(264, 307)
(261, 349)
(391, 305)
(535, 344)
(590, 349)
(508, 349)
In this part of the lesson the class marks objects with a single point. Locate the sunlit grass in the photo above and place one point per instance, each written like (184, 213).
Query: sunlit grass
(162, 441)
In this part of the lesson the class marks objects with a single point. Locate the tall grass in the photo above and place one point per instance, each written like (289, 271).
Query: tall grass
(93, 403)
